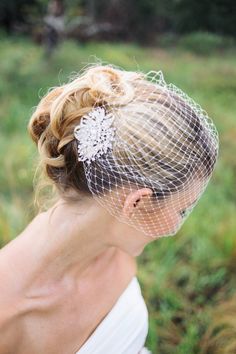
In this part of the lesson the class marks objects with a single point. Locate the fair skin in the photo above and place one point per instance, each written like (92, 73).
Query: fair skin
(57, 271)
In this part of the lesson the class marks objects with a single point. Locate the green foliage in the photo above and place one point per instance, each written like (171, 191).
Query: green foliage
(215, 16)
(205, 42)
(14, 11)
(137, 20)
(199, 42)
(183, 278)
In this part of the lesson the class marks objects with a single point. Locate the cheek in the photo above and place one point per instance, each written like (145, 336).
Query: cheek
(170, 220)
(163, 221)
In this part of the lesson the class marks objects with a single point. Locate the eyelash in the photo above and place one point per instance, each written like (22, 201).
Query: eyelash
(182, 213)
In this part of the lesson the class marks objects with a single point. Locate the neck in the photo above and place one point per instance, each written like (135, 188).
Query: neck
(61, 245)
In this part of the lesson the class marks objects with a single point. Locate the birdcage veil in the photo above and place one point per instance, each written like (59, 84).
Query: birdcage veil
(157, 139)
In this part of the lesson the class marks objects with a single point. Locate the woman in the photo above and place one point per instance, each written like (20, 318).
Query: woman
(128, 157)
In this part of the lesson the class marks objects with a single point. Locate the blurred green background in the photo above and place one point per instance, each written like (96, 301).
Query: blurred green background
(188, 281)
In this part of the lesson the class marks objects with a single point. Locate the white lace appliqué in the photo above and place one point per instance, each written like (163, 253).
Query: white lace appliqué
(94, 134)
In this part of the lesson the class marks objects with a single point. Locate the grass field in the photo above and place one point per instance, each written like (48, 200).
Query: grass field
(188, 281)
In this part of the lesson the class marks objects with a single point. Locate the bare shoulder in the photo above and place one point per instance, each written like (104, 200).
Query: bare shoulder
(9, 327)
(9, 320)
(9, 339)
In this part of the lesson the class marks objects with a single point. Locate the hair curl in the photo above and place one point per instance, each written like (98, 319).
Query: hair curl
(52, 124)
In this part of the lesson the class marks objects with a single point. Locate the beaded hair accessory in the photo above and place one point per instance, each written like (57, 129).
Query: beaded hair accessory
(94, 134)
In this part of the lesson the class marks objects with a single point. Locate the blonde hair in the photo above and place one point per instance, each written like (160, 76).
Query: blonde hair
(60, 110)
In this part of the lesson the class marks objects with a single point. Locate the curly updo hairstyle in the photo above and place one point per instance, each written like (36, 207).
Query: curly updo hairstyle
(60, 110)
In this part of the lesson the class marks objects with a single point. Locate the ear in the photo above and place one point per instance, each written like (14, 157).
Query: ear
(133, 199)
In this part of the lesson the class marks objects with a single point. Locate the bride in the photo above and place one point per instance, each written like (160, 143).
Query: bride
(128, 157)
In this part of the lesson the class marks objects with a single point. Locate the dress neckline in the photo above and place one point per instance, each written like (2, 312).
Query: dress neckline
(101, 324)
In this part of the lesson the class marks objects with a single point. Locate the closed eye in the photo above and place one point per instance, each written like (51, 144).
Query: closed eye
(183, 212)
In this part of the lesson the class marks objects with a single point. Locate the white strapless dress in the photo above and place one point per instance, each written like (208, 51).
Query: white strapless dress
(124, 329)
